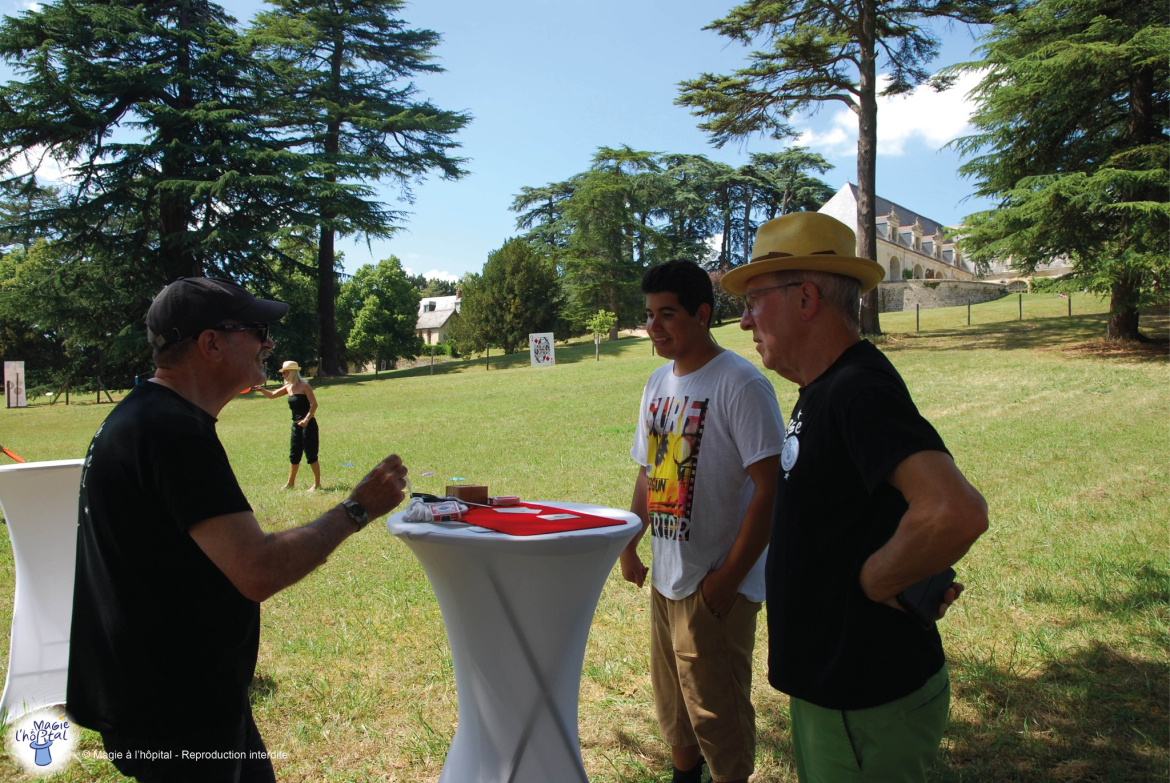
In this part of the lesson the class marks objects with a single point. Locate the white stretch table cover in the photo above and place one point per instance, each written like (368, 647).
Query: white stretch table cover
(517, 611)
(39, 500)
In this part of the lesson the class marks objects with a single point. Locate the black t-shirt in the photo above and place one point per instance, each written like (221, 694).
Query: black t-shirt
(827, 642)
(162, 641)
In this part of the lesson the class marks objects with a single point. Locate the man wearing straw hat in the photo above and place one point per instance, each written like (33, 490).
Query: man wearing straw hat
(171, 562)
(870, 514)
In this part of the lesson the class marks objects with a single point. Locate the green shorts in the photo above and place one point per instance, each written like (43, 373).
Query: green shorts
(891, 743)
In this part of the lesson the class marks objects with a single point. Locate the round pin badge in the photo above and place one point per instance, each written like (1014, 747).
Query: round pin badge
(790, 452)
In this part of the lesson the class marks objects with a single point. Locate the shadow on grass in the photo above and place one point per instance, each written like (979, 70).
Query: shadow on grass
(1083, 335)
(1097, 714)
(1149, 589)
(262, 688)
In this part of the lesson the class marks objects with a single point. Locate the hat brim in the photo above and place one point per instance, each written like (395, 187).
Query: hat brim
(868, 273)
(263, 311)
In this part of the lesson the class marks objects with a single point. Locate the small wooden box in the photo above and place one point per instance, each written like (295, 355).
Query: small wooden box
(472, 493)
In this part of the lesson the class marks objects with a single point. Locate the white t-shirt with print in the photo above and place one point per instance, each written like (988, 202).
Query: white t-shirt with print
(696, 436)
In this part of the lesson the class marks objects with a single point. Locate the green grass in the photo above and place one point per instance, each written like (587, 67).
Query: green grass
(1058, 650)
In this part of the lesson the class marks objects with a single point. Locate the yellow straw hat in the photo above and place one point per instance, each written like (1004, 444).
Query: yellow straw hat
(290, 365)
(805, 240)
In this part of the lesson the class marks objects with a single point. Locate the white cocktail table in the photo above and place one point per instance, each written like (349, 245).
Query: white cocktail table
(39, 500)
(517, 611)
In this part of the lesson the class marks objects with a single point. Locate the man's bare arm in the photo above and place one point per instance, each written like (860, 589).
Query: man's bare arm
(945, 517)
(633, 569)
(262, 564)
(721, 585)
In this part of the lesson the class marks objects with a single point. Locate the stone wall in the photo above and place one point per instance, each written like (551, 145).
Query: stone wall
(896, 297)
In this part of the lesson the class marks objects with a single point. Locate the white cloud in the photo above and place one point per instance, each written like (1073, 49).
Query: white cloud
(31, 6)
(714, 245)
(438, 274)
(933, 118)
(936, 117)
(840, 139)
(36, 159)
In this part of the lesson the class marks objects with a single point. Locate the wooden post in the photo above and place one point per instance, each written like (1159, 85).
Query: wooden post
(968, 312)
(64, 390)
(432, 360)
(917, 317)
(596, 347)
(488, 358)
(1070, 305)
(102, 388)
(1021, 296)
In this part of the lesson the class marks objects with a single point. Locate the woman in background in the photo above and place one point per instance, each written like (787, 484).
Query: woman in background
(304, 438)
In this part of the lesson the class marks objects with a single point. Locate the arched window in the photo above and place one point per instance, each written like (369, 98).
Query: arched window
(918, 271)
(895, 268)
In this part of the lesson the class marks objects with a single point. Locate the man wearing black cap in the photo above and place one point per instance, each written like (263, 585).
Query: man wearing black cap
(171, 563)
(871, 511)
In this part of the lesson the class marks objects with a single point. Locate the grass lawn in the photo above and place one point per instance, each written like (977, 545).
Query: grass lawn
(1058, 650)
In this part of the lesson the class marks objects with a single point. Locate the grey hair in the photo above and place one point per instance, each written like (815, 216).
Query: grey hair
(173, 353)
(841, 293)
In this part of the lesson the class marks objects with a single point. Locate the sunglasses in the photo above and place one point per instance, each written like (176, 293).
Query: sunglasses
(261, 330)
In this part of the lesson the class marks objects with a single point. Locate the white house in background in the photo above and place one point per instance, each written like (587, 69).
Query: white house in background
(434, 317)
(906, 240)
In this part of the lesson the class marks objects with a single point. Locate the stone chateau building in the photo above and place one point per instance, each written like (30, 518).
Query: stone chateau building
(907, 241)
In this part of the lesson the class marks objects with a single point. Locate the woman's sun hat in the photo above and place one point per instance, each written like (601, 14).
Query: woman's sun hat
(290, 365)
(805, 241)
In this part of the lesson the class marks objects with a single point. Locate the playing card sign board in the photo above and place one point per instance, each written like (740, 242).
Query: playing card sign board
(541, 349)
(14, 385)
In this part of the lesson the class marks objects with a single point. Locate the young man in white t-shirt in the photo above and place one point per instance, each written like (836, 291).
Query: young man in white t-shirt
(708, 439)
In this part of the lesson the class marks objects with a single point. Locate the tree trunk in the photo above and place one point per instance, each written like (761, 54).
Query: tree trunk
(643, 219)
(174, 208)
(326, 299)
(326, 274)
(867, 159)
(725, 251)
(1123, 311)
(747, 225)
(613, 308)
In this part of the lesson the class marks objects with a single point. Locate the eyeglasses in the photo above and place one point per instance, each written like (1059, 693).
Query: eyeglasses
(261, 330)
(751, 298)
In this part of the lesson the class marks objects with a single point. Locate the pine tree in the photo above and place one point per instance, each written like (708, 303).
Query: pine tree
(819, 51)
(147, 105)
(339, 92)
(1072, 122)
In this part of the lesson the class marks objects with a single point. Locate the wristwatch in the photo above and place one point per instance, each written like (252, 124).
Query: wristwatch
(357, 512)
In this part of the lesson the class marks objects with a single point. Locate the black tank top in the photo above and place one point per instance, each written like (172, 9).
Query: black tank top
(299, 404)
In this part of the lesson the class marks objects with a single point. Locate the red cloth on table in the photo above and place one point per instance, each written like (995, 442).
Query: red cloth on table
(532, 524)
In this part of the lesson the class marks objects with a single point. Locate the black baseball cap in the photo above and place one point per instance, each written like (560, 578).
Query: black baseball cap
(191, 304)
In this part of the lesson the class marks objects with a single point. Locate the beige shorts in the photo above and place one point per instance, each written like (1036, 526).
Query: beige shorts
(701, 670)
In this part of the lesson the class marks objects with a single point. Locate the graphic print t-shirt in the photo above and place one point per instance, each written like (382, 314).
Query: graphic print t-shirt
(696, 436)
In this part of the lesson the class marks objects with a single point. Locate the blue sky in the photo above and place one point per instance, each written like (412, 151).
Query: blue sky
(548, 82)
